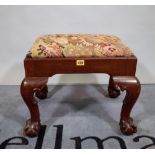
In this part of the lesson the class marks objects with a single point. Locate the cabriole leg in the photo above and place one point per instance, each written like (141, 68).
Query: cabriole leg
(132, 86)
(30, 87)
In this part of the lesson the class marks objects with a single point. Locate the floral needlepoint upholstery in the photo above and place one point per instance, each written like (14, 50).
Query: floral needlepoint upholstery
(78, 45)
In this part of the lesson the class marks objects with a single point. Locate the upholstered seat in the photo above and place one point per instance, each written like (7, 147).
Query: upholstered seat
(78, 45)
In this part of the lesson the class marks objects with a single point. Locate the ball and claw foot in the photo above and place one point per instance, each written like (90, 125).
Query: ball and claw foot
(31, 128)
(43, 93)
(128, 127)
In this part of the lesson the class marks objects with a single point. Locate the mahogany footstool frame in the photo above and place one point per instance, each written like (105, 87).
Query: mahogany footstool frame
(122, 77)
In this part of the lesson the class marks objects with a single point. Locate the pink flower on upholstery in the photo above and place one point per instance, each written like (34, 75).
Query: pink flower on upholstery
(47, 54)
(52, 50)
(110, 50)
(52, 53)
(42, 48)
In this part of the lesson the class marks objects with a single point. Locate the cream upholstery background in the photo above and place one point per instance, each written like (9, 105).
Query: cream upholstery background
(20, 25)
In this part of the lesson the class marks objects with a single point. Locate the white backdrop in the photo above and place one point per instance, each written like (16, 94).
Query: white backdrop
(21, 25)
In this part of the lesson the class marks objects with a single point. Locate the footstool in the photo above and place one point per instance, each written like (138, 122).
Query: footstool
(80, 53)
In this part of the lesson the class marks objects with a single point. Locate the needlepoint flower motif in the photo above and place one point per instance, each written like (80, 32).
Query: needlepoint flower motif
(78, 45)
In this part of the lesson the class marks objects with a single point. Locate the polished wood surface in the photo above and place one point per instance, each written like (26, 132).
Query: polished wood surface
(122, 77)
(112, 90)
(46, 67)
(132, 87)
(30, 87)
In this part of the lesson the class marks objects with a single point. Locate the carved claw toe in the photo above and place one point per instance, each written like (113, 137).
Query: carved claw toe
(113, 93)
(128, 127)
(31, 128)
(42, 94)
